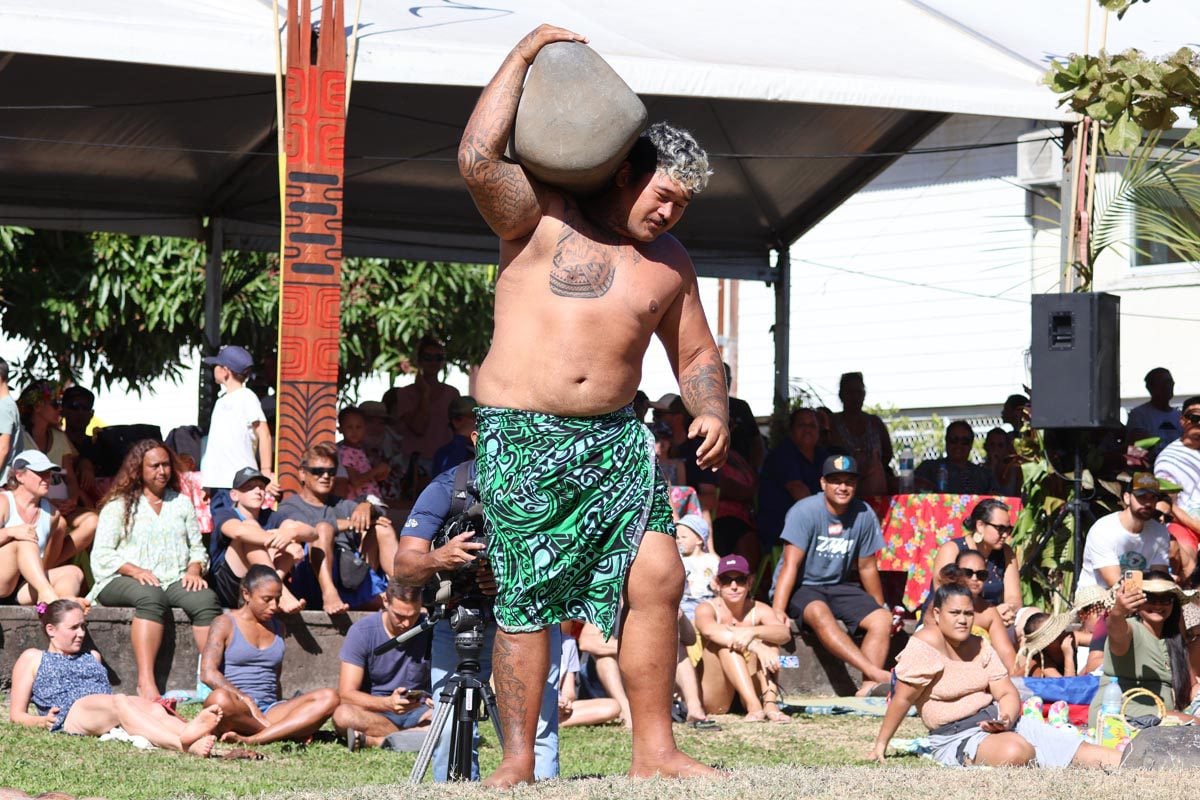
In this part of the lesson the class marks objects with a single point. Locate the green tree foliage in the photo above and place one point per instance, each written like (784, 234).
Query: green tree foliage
(130, 309)
(1129, 93)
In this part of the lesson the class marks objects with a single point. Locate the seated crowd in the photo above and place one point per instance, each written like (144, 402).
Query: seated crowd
(207, 531)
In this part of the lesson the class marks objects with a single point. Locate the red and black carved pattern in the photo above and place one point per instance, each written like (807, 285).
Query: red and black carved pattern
(307, 412)
(314, 138)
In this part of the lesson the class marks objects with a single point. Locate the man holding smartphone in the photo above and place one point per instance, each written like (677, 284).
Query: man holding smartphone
(387, 693)
(1131, 539)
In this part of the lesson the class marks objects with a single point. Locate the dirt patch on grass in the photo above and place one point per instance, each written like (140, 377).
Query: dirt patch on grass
(791, 783)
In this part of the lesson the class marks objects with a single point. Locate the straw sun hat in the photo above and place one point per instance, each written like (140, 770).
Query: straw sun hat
(1088, 596)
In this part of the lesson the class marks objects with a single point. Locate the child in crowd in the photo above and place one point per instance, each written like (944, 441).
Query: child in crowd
(383, 445)
(364, 478)
(1047, 647)
(240, 539)
(700, 568)
(238, 436)
(699, 565)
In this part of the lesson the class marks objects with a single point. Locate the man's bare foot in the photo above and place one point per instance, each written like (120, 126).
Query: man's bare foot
(333, 604)
(148, 690)
(671, 765)
(203, 746)
(755, 716)
(510, 773)
(201, 727)
(233, 737)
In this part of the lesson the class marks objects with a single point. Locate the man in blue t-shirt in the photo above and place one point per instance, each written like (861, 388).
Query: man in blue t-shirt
(386, 693)
(416, 563)
(827, 537)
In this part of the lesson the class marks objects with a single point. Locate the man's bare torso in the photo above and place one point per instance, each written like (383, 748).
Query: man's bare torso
(575, 310)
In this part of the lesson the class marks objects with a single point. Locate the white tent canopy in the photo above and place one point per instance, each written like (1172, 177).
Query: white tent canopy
(150, 115)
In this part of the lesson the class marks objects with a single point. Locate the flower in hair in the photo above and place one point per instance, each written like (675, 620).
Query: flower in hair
(41, 608)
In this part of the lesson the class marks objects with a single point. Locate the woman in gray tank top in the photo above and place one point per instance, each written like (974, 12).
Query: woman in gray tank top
(32, 533)
(242, 661)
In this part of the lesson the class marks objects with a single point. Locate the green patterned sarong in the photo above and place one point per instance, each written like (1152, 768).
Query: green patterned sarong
(567, 500)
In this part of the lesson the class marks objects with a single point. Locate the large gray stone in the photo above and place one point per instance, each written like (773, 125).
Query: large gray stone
(577, 119)
(1164, 747)
(313, 640)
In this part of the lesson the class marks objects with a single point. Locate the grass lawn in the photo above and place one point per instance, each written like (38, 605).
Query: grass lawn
(812, 757)
(35, 761)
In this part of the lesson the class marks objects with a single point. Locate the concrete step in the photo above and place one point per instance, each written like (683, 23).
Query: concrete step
(812, 671)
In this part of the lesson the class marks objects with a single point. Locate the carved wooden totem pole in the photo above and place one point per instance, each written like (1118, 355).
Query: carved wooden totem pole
(311, 179)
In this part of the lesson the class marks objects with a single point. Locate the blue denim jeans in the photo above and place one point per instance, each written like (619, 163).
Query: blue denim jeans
(545, 746)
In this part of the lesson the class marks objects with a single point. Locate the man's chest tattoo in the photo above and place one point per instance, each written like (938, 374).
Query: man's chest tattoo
(583, 266)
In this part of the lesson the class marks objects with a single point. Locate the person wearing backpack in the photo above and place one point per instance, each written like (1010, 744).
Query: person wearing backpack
(442, 504)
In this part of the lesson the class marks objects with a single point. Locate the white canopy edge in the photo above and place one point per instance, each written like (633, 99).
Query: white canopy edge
(932, 66)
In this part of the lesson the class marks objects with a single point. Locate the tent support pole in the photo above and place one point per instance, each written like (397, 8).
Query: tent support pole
(212, 316)
(783, 315)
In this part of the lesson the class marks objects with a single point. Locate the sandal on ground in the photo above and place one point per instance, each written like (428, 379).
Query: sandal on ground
(704, 724)
(355, 740)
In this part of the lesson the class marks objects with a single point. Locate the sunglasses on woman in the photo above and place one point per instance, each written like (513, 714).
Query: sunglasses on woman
(977, 574)
(1160, 599)
(1003, 530)
(726, 580)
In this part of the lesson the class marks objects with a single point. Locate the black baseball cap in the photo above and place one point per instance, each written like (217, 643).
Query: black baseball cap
(844, 465)
(247, 474)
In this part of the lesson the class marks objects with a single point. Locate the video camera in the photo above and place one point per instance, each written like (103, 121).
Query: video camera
(456, 592)
(459, 584)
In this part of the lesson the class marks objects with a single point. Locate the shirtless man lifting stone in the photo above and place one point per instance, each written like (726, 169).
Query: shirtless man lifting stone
(580, 519)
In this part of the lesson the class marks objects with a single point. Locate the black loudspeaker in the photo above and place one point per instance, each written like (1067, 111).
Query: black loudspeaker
(1075, 361)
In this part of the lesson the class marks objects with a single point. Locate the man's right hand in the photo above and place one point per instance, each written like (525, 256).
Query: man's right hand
(458, 551)
(402, 702)
(542, 35)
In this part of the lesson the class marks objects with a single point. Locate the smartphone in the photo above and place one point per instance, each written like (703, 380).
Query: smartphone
(416, 694)
(1133, 581)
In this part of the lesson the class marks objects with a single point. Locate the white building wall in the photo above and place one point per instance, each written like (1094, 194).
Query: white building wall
(1160, 316)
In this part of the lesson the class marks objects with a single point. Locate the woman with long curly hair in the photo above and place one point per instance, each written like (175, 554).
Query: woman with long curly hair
(148, 554)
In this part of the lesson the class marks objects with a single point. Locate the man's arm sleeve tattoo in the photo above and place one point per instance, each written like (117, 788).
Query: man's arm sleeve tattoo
(702, 387)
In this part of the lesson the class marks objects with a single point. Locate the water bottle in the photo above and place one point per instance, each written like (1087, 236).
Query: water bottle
(1108, 733)
(906, 470)
(943, 476)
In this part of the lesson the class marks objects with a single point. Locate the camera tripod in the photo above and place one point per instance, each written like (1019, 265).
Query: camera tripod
(464, 701)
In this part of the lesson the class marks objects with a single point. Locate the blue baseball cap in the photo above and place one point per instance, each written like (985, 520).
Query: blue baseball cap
(844, 465)
(233, 358)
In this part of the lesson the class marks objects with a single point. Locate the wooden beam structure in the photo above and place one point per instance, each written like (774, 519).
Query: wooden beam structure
(311, 182)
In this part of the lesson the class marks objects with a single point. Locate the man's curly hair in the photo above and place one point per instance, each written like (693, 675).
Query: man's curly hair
(674, 152)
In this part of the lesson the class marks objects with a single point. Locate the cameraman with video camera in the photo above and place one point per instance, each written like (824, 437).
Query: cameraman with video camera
(440, 543)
